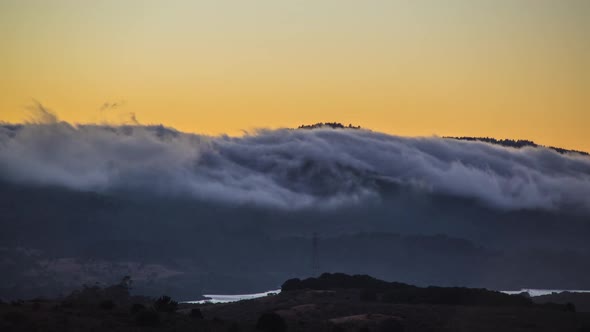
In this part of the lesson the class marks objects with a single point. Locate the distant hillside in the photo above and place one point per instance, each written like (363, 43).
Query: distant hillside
(514, 143)
(520, 143)
(190, 214)
(333, 125)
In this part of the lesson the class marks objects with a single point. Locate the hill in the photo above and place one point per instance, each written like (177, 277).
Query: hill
(515, 143)
(512, 143)
(331, 302)
(189, 214)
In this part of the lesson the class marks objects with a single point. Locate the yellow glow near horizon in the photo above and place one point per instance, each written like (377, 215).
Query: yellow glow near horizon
(507, 69)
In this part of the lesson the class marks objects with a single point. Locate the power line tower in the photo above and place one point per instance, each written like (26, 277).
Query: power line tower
(315, 261)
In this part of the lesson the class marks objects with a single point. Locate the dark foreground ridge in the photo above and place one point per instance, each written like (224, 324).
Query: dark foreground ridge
(395, 292)
(331, 302)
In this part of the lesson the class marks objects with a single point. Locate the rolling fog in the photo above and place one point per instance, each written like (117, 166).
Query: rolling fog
(189, 214)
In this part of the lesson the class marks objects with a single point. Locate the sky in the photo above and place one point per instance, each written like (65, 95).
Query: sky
(498, 68)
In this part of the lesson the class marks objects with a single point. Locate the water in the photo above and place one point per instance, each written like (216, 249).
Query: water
(540, 292)
(217, 298)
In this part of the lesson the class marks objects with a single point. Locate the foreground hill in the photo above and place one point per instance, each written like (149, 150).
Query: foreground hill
(332, 302)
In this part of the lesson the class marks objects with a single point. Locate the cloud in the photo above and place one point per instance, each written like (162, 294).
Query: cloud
(108, 105)
(290, 169)
(133, 118)
(40, 114)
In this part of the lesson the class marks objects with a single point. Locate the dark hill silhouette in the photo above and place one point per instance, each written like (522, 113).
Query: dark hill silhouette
(333, 125)
(395, 292)
(335, 302)
(404, 238)
(520, 143)
(331, 281)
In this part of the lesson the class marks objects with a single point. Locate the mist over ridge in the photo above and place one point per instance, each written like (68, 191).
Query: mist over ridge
(195, 214)
(288, 168)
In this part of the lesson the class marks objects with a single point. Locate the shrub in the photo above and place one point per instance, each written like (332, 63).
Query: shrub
(391, 325)
(14, 317)
(107, 305)
(234, 327)
(67, 304)
(165, 304)
(147, 318)
(338, 328)
(271, 322)
(368, 295)
(196, 313)
(137, 307)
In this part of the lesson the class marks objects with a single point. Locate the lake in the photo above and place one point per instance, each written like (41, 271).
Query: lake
(540, 292)
(219, 298)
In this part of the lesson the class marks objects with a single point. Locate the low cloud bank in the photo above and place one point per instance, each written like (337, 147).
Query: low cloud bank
(289, 169)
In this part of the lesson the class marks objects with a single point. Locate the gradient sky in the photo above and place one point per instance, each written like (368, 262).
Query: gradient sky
(502, 68)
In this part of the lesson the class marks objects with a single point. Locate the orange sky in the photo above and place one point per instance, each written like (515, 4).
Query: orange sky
(502, 68)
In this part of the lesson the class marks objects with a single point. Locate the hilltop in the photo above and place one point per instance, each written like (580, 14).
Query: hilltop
(512, 143)
(520, 143)
(333, 125)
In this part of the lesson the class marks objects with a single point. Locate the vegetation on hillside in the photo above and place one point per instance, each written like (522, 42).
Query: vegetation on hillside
(333, 125)
(331, 302)
(395, 292)
(520, 143)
